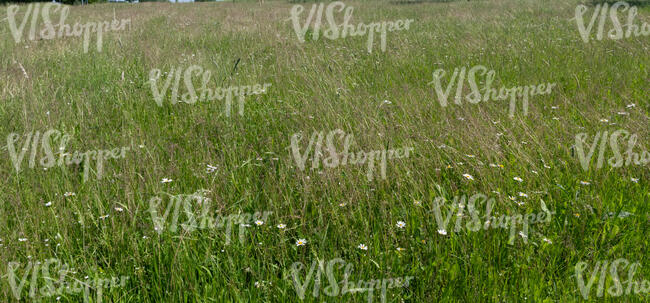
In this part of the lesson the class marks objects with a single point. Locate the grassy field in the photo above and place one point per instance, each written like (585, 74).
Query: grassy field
(104, 100)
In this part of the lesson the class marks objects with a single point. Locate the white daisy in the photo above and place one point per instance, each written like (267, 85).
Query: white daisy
(400, 224)
(259, 222)
(442, 232)
(301, 242)
(518, 179)
(400, 249)
(210, 169)
(523, 195)
(22, 239)
(69, 194)
(604, 120)
(468, 176)
(119, 209)
(635, 180)
(585, 182)
(165, 180)
(362, 247)
(631, 105)
(48, 204)
(547, 240)
(523, 235)
(282, 226)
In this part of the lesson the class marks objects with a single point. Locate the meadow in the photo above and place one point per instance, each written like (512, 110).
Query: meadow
(241, 165)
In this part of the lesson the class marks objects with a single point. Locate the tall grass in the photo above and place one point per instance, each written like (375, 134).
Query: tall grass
(103, 100)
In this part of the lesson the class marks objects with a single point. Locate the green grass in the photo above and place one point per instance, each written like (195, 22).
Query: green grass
(325, 85)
